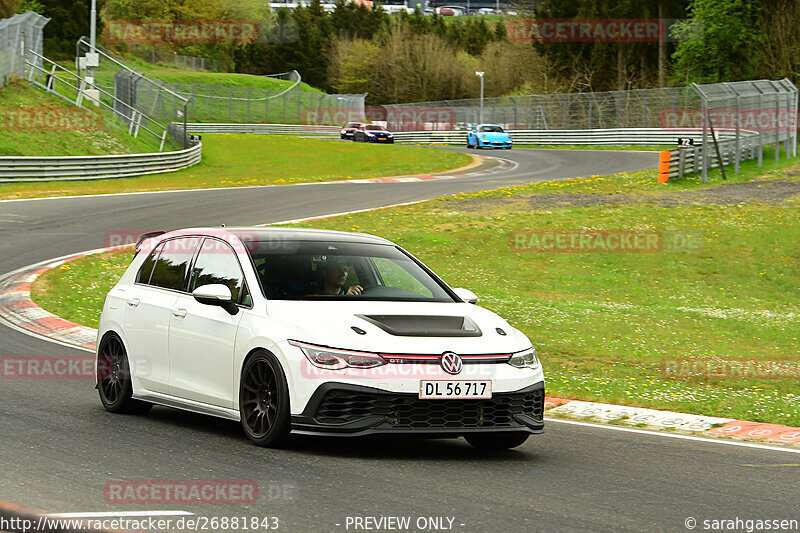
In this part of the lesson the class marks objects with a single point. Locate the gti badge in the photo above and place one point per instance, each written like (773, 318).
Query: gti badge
(451, 363)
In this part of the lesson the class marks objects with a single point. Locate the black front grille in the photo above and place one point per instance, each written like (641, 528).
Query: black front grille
(406, 411)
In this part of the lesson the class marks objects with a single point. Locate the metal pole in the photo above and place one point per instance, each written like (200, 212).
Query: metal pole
(92, 38)
(704, 146)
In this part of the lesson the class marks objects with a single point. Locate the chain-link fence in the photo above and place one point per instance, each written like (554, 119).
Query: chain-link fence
(18, 34)
(764, 108)
(642, 108)
(154, 55)
(118, 88)
(763, 111)
(289, 104)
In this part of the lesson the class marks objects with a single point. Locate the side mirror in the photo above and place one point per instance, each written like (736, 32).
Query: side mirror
(466, 295)
(216, 294)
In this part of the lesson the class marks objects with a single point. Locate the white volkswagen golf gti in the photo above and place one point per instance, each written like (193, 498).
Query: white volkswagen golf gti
(312, 332)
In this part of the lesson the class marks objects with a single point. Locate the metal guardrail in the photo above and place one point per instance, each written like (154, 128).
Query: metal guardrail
(54, 168)
(628, 136)
(290, 129)
(675, 164)
(623, 136)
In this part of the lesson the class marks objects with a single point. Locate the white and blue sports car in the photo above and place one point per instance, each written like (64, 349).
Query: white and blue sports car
(488, 135)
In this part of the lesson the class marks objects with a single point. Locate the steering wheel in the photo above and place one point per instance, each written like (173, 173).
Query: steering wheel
(365, 288)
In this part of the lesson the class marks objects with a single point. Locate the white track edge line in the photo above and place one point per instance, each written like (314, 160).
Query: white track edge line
(710, 440)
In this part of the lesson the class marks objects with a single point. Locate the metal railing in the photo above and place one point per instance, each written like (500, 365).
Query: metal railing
(289, 129)
(72, 168)
(609, 137)
(733, 149)
(291, 105)
(58, 80)
(620, 137)
(128, 83)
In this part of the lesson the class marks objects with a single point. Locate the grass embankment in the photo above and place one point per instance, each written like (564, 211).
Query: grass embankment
(247, 160)
(87, 137)
(604, 322)
(172, 74)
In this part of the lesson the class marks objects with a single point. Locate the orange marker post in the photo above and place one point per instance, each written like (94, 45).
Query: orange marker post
(663, 166)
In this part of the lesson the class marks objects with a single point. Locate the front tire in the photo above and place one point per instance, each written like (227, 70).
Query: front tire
(264, 401)
(497, 441)
(114, 379)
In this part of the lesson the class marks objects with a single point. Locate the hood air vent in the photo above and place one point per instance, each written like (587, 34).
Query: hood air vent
(425, 325)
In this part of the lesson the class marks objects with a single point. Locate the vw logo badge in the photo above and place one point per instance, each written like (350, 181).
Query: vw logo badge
(451, 363)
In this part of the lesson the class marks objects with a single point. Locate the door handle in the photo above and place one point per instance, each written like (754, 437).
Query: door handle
(132, 302)
(179, 313)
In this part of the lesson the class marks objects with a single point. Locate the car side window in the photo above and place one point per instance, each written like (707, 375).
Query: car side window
(172, 266)
(144, 274)
(217, 264)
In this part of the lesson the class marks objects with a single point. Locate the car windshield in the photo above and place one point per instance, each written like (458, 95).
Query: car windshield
(302, 270)
(373, 127)
(492, 129)
(352, 125)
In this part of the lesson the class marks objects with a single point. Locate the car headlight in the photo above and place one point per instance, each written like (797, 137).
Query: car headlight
(525, 359)
(483, 136)
(336, 359)
(370, 135)
(344, 131)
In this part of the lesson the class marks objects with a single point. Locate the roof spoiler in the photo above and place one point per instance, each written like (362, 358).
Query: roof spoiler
(144, 236)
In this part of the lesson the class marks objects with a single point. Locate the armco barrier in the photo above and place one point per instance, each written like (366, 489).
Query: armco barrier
(56, 168)
(619, 137)
(624, 136)
(290, 129)
(683, 160)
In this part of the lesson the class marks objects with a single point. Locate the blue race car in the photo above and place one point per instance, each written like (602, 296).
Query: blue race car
(486, 135)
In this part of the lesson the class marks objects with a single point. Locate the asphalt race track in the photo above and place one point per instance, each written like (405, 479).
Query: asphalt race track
(59, 447)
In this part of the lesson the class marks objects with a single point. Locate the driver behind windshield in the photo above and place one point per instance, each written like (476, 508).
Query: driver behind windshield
(334, 275)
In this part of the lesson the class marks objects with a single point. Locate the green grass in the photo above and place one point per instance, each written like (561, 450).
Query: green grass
(246, 160)
(602, 322)
(76, 290)
(171, 74)
(100, 139)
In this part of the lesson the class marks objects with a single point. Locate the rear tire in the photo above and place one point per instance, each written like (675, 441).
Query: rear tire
(264, 401)
(114, 378)
(497, 441)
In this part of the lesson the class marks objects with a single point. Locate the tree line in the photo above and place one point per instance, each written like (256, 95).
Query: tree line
(412, 57)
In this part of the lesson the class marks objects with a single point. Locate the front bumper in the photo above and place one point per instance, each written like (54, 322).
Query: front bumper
(495, 144)
(355, 410)
(389, 140)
